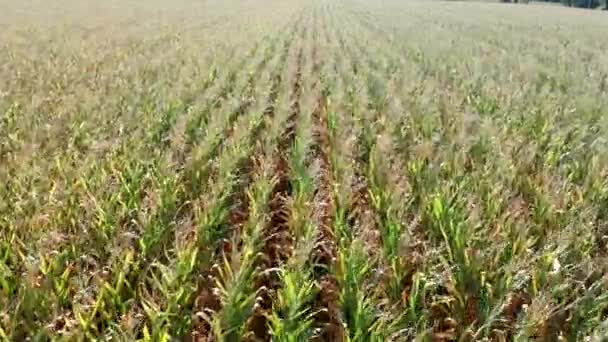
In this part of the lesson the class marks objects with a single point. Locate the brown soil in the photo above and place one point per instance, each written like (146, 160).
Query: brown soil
(278, 240)
(327, 317)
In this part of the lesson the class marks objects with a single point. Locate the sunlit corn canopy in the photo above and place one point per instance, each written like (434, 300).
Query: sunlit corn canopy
(303, 171)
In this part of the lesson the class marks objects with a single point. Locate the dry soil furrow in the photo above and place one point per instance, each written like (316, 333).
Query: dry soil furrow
(327, 321)
(326, 307)
(277, 238)
(238, 214)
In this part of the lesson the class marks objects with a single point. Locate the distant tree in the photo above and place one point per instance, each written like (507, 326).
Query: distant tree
(587, 3)
(580, 3)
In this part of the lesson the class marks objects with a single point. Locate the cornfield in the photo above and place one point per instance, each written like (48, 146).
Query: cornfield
(302, 171)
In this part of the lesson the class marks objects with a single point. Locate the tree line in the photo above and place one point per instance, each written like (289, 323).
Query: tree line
(593, 4)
